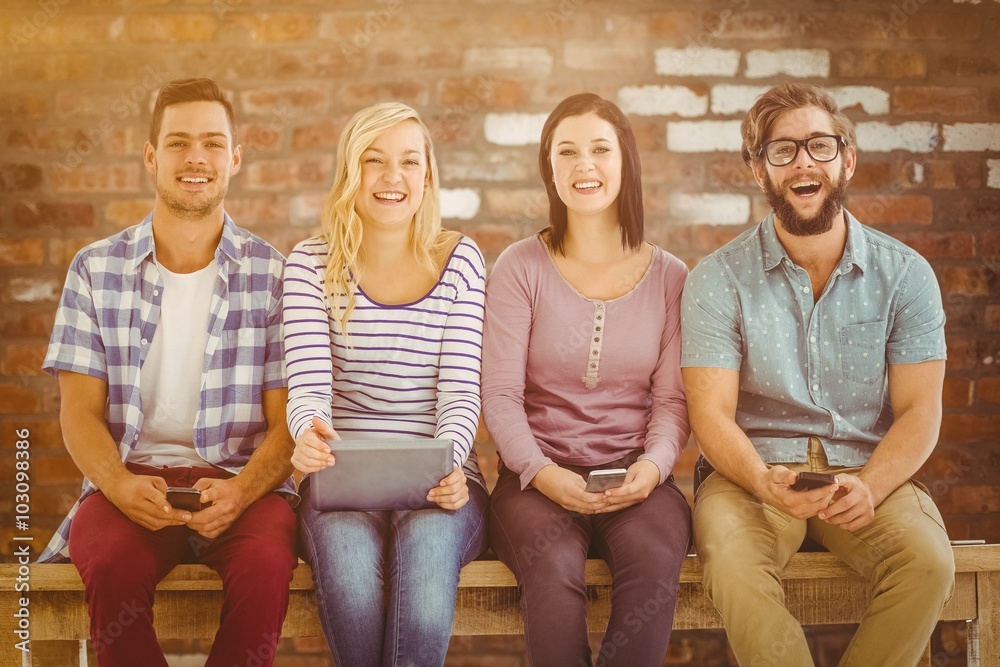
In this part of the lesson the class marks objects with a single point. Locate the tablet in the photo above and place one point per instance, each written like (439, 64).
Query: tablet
(381, 474)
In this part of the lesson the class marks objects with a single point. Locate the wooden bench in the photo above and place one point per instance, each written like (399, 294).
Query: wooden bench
(820, 590)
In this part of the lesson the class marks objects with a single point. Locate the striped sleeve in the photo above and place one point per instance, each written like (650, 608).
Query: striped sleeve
(458, 399)
(307, 337)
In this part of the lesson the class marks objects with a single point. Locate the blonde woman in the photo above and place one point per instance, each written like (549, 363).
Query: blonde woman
(383, 318)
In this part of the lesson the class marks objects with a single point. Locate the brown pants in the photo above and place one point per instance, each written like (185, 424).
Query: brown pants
(904, 553)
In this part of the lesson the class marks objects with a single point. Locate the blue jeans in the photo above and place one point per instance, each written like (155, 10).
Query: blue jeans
(386, 582)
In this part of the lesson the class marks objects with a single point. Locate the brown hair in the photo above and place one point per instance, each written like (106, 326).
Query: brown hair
(190, 90)
(786, 97)
(630, 216)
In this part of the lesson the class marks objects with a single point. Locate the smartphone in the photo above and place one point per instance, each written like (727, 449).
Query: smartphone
(183, 498)
(812, 480)
(599, 481)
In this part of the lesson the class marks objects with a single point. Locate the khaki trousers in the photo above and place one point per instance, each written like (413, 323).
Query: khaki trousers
(904, 553)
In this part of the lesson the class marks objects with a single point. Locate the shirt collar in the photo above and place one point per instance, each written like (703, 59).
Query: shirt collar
(855, 251)
(145, 248)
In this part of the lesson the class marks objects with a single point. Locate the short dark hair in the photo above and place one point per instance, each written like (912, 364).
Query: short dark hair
(630, 215)
(787, 97)
(189, 90)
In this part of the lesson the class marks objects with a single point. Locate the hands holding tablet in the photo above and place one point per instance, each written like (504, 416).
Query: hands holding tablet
(311, 451)
(452, 493)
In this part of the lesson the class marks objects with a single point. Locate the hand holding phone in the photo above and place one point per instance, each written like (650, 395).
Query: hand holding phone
(806, 481)
(599, 481)
(183, 498)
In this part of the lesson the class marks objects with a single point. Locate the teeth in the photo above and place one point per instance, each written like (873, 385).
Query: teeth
(390, 196)
(587, 184)
(187, 179)
(805, 184)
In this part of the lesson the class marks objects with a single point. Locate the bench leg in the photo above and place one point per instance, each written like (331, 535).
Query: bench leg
(984, 631)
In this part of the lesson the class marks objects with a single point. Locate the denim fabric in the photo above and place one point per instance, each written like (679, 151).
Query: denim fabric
(386, 581)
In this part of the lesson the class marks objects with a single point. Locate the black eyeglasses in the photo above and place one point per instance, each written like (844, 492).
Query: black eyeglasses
(822, 148)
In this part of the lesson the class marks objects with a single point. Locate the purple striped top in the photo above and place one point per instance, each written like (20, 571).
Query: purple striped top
(406, 370)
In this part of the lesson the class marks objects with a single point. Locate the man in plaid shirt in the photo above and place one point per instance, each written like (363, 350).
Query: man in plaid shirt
(167, 346)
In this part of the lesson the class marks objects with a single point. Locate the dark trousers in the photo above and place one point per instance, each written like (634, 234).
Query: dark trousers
(121, 562)
(546, 546)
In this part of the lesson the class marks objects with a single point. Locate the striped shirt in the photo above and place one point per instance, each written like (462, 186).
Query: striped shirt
(108, 315)
(406, 370)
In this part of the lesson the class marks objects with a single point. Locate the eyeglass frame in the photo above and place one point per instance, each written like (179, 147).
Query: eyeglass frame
(799, 145)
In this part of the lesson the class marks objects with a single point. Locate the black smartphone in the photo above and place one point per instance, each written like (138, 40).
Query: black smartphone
(599, 481)
(183, 498)
(812, 480)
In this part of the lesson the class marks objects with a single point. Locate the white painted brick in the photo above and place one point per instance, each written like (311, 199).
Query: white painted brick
(697, 61)
(915, 137)
(662, 101)
(993, 180)
(728, 99)
(514, 129)
(533, 58)
(704, 136)
(874, 101)
(710, 209)
(33, 290)
(792, 62)
(972, 137)
(459, 203)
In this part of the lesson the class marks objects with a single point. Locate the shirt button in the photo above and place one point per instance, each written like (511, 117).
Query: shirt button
(592, 366)
(156, 292)
(599, 317)
(806, 290)
(812, 339)
(597, 339)
(144, 341)
(594, 352)
(599, 306)
(815, 387)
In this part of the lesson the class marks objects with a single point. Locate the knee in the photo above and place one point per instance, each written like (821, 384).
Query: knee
(931, 569)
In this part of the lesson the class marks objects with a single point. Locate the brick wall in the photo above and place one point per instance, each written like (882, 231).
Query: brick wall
(921, 78)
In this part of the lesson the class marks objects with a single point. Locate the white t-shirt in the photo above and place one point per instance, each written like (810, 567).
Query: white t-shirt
(170, 377)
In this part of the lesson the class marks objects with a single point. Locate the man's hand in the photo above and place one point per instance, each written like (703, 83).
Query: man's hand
(453, 491)
(853, 506)
(568, 490)
(143, 499)
(228, 503)
(774, 488)
(311, 451)
(640, 480)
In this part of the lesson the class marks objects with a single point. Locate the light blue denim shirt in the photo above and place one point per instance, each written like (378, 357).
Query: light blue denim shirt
(812, 370)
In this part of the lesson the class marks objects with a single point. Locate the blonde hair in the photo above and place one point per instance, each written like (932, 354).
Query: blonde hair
(342, 228)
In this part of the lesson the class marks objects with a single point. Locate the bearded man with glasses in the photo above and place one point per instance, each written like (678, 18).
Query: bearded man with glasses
(813, 359)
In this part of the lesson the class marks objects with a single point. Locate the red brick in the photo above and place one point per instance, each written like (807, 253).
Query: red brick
(259, 212)
(174, 27)
(988, 389)
(934, 245)
(63, 249)
(56, 469)
(492, 239)
(15, 399)
(357, 95)
(943, 100)
(993, 103)
(93, 178)
(521, 205)
(53, 67)
(966, 428)
(418, 56)
(968, 281)
(20, 177)
(42, 433)
(18, 106)
(877, 176)
(993, 318)
(663, 167)
(989, 245)
(879, 64)
(980, 209)
(892, 210)
(26, 324)
(284, 103)
(564, 21)
(23, 360)
(585, 55)
(832, 26)
(941, 26)
(965, 66)
(125, 142)
(676, 25)
(957, 392)
(318, 136)
(65, 30)
(288, 172)
(291, 64)
(20, 252)
(729, 174)
(951, 174)
(124, 213)
(476, 92)
(260, 136)
(971, 499)
(966, 354)
(41, 139)
(275, 26)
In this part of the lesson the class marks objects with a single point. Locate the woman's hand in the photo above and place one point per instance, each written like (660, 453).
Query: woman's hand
(311, 452)
(640, 480)
(452, 492)
(568, 490)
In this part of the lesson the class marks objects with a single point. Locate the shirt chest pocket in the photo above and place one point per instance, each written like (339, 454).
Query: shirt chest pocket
(862, 352)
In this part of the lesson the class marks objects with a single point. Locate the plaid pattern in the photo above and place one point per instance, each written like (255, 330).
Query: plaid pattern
(107, 317)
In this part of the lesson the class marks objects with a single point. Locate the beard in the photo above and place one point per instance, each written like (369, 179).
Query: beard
(191, 208)
(822, 222)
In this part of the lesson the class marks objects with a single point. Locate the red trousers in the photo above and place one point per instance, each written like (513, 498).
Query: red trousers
(121, 562)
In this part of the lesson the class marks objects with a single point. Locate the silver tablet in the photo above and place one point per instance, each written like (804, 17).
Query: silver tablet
(381, 474)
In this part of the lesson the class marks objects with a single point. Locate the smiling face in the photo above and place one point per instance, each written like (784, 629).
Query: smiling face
(393, 176)
(193, 159)
(586, 161)
(806, 195)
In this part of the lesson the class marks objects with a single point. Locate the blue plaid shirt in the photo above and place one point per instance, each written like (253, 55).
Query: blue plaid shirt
(107, 318)
(812, 368)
